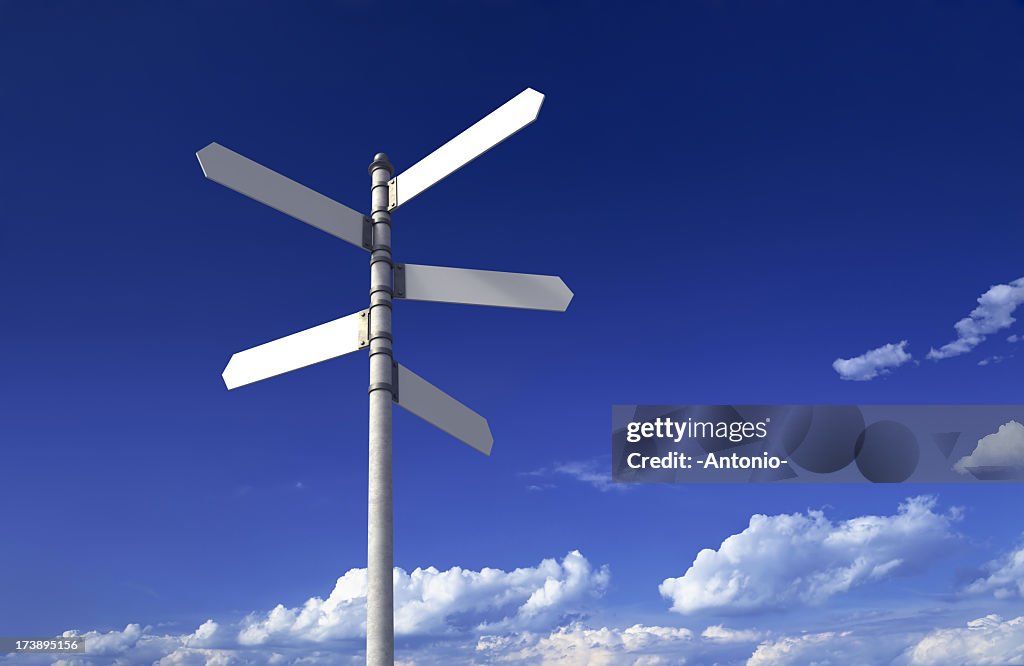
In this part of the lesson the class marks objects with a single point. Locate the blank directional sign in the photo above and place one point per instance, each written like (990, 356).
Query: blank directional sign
(476, 287)
(256, 181)
(499, 125)
(439, 409)
(320, 343)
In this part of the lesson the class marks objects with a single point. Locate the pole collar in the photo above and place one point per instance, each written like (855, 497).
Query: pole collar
(385, 386)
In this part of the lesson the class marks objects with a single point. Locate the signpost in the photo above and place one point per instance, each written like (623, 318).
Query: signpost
(390, 382)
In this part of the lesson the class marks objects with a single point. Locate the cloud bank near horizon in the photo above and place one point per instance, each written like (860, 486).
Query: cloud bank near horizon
(542, 615)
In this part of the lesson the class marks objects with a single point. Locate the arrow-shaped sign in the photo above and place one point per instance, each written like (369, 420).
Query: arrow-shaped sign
(256, 181)
(320, 343)
(439, 409)
(494, 128)
(476, 287)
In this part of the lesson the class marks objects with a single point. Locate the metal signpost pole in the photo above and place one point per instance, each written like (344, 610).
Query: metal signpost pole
(380, 623)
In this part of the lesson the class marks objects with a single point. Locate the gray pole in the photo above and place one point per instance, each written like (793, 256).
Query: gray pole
(380, 616)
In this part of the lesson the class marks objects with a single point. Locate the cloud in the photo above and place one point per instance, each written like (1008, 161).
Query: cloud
(999, 455)
(991, 360)
(1015, 338)
(1004, 579)
(429, 602)
(592, 473)
(576, 644)
(794, 649)
(136, 644)
(722, 634)
(872, 363)
(804, 559)
(988, 640)
(829, 648)
(994, 313)
(595, 472)
(451, 608)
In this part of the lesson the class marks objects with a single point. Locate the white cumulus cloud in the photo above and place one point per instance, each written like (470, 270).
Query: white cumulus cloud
(988, 641)
(872, 363)
(432, 602)
(804, 559)
(575, 644)
(136, 644)
(831, 648)
(451, 608)
(994, 313)
(1003, 449)
(792, 649)
(1004, 577)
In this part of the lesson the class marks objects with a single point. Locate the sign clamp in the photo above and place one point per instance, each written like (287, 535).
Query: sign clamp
(364, 328)
(399, 280)
(392, 194)
(367, 233)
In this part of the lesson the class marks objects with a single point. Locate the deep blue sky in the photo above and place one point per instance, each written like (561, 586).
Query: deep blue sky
(737, 192)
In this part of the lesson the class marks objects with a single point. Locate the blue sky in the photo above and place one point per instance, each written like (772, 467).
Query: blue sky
(738, 193)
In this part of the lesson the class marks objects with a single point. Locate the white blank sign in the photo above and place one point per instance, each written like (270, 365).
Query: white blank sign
(477, 287)
(239, 173)
(488, 132)
(320, 343)
(439, 409)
